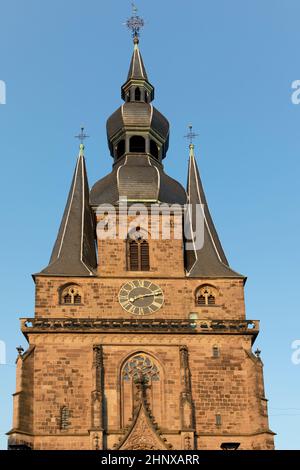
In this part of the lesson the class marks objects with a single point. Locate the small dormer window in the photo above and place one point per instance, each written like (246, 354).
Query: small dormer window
(137, 94)
(206, 296)
(71, 295)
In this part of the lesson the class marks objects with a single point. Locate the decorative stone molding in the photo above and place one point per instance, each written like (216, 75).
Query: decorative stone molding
(186, 401)
(143, 433)
(97, 395)
(121, 325)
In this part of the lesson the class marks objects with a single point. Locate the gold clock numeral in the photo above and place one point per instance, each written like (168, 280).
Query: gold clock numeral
(127, 287)
(123, 298)
(128, 306)
(156, 304)
(151, 308)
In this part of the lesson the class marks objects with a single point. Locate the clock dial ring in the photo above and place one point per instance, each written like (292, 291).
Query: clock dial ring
(141, 297)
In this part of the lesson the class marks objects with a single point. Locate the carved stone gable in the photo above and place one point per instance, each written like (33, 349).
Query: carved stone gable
(142, 435)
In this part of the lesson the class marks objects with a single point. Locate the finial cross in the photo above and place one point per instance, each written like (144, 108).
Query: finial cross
(82, 136)
(191, 135)
(135, 23)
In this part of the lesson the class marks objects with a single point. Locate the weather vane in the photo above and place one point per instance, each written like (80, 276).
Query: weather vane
(191, 135)
(135, 23)
(82, 136)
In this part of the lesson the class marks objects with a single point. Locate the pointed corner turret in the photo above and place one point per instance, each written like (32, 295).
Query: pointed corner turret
(210, 260)
(74, 252)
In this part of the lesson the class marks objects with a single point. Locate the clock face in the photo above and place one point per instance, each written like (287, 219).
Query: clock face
(141, 297)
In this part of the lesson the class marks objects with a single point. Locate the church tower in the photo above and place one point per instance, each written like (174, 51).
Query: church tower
(138, 340)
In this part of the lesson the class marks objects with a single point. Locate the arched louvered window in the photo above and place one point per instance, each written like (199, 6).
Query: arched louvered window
(137, 94)
(205, 296)
(138, 255)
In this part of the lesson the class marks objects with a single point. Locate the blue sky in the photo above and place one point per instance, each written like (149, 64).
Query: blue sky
(224, 65)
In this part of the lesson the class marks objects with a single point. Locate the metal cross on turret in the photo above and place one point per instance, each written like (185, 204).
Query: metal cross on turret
(82, 136)
(191, 135)
(135, 23)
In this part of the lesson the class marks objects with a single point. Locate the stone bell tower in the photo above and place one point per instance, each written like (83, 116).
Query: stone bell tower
(136, 341)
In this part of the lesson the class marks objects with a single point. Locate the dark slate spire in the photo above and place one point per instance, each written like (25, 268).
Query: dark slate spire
(137, 79)
(74, 252)
(137, 70)
(210, 260)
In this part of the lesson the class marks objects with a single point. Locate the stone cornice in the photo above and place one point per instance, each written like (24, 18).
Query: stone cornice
(117, 325)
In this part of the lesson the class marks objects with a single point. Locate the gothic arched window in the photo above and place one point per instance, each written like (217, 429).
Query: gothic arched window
(138, 254)
(140, 365)
(205, 296)
(137, 144)
(71, 295)
(141, 368)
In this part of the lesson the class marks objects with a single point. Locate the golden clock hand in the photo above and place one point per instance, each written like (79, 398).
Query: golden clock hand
(141, 296)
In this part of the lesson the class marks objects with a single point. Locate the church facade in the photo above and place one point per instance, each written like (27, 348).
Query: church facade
(136, 341)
